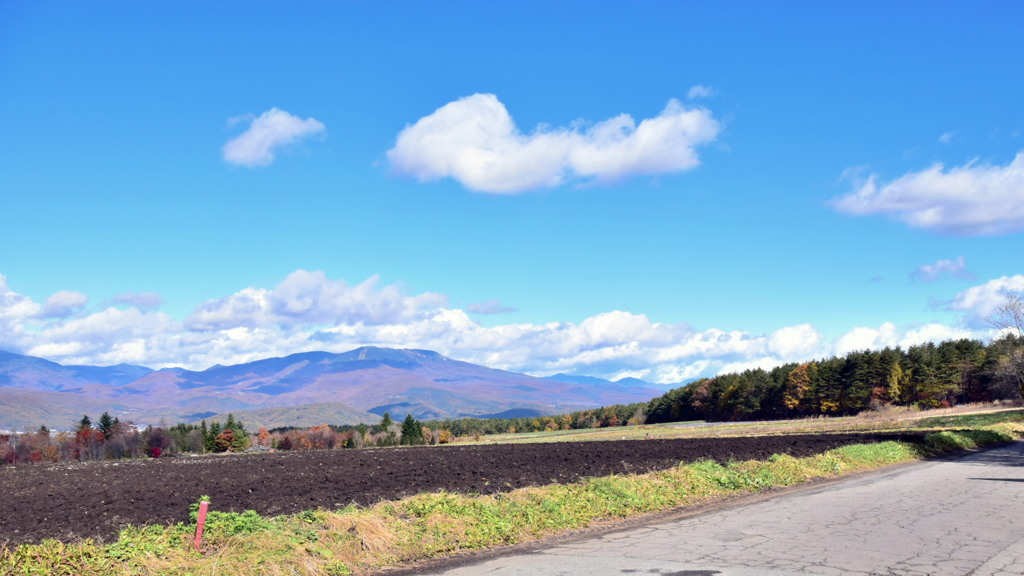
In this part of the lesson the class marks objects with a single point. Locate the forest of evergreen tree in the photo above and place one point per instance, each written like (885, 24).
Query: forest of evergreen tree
(926, 376)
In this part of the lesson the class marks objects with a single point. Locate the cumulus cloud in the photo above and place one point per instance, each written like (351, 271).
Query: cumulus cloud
(14, 305)
(934, 333)
(970, 200)
(889, 336)
(676, 373)
(475, 141)
(763, 363)
(141, 300)
(606, 345)
(310, 299)
(268, 133)
(15, 310)
(700, 91)
(956, 268)
(309, 311)
(794, 342)
(110, 336)
(864, 338)
(63, 304)
(489, 307)
(980, 302)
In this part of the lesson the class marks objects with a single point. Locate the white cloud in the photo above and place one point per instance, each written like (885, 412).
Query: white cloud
(311, 299)
(700, 91)
(142, 300)
(246, 308)
(980, 302)
(475, 141)
(947, 137)
(764, 363)
(489, 307)
(111, 336)
(864, 338)
(266, 134)
(15, 310)
(934, 333)
(63, 304)
(956, 268)
(889, 336)
(970, 200)
(14, 305)
(308, 311)
(795, 342)
(638, 374)
(674, 374)
(619, 148)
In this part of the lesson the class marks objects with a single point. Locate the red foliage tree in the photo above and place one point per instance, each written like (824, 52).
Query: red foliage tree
(224, 440)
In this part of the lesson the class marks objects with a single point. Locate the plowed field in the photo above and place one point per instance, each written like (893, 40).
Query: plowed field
(94, 499)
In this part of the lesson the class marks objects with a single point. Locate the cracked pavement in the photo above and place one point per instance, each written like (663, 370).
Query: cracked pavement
(949, 517)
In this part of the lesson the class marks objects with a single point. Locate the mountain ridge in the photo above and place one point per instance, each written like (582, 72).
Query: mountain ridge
(364, 381)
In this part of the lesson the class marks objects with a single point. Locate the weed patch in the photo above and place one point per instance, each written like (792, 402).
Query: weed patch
(949, 440)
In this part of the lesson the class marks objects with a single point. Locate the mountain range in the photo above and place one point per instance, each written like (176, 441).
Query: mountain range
(303, 389)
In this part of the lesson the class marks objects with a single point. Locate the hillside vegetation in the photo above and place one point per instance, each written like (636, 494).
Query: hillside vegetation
(924, 376)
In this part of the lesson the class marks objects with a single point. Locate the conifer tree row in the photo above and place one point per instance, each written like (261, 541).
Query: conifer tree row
(927, 376)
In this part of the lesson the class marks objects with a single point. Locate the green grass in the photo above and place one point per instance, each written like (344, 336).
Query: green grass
(972, 420)
(358, 540)
(868, 422)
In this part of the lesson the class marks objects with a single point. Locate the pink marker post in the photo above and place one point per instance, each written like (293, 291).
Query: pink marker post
(199, 523)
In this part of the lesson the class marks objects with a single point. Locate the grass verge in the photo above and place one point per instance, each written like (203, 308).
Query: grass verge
(359, 540)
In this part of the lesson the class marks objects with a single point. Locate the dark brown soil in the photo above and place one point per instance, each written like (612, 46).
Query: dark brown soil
(73, 501)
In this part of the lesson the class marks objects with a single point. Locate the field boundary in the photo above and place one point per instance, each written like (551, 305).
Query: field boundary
(602, 528)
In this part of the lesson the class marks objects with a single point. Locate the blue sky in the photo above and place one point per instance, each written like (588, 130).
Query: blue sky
(658, 189)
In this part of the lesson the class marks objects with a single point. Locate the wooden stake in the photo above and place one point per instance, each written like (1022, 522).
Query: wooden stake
(199, 523)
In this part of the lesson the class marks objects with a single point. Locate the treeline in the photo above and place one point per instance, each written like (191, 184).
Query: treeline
(388, 433)
(617, 415)
(927, 376)
(110, 439)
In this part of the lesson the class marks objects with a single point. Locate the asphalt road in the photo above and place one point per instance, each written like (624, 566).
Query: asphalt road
(952, 517)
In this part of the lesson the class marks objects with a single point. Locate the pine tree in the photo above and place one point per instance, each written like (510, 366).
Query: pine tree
(205, 434)
(412, 431)
(106, 425)
(210, 441)
(389, 434)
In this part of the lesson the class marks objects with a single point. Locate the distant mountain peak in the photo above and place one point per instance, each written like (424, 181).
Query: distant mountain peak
(630, 381)
(378, 354)
(366, 379)
(577, 379)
